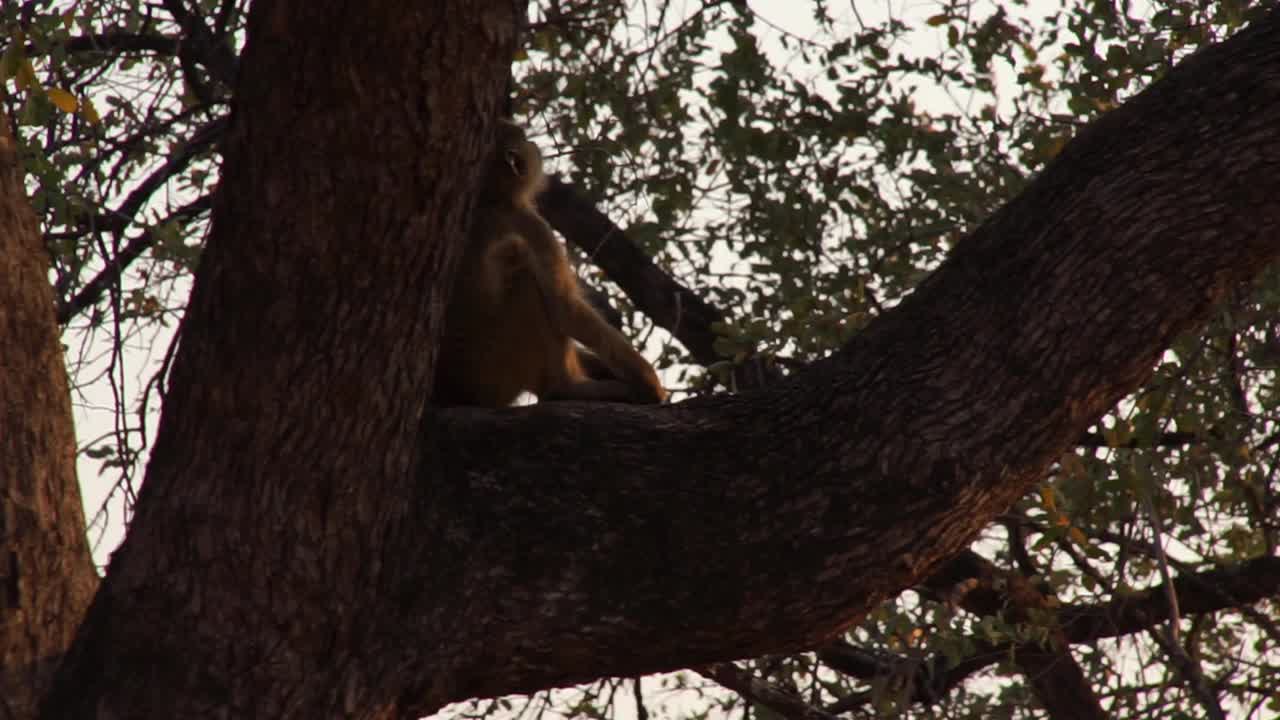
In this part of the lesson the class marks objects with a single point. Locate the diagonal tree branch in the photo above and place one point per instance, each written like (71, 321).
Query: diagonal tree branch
(1217, 589)
(763, 693)
(114, 42)
(930, 680)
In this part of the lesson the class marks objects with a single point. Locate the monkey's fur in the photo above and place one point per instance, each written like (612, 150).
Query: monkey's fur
(516, 309)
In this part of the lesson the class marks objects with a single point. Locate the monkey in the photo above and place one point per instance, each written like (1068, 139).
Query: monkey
(516, 316)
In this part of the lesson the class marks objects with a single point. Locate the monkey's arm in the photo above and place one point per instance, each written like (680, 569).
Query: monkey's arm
(592, 365)
(573, 316)
(613, 350)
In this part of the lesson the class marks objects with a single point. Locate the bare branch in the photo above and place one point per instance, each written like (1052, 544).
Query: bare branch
(116, 221)
(755, 690)
(117, 42)
(1210, 591)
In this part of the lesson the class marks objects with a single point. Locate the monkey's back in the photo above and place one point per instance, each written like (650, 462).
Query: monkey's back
(498, 340)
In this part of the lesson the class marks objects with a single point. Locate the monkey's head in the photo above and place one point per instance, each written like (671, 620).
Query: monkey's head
(516, 169)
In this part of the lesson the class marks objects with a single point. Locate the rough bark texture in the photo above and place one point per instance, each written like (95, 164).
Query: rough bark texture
(303, 547)
(622, 541)
(245, 586)
(46, 573)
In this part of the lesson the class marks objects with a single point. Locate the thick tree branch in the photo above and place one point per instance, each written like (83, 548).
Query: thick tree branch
(46, 573)
(826, 493)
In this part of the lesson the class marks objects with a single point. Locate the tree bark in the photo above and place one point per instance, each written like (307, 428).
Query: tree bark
(309, 542)
(591, 541)
(305, 361)
(46, 573)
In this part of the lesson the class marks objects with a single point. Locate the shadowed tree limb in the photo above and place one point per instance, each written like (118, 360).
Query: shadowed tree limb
(930, 680)
(1209, 591)
(114, 42)
(758, 691)
(200, 45)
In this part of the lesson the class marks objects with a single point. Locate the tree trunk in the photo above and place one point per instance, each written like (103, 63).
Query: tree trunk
(295, 400)
(309, 543)
(46, 573)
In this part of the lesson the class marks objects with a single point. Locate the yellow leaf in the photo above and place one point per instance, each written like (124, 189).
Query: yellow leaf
(1078, 536)
(90, 112)
(65, 101)
(1046, 498)
(937, 20)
